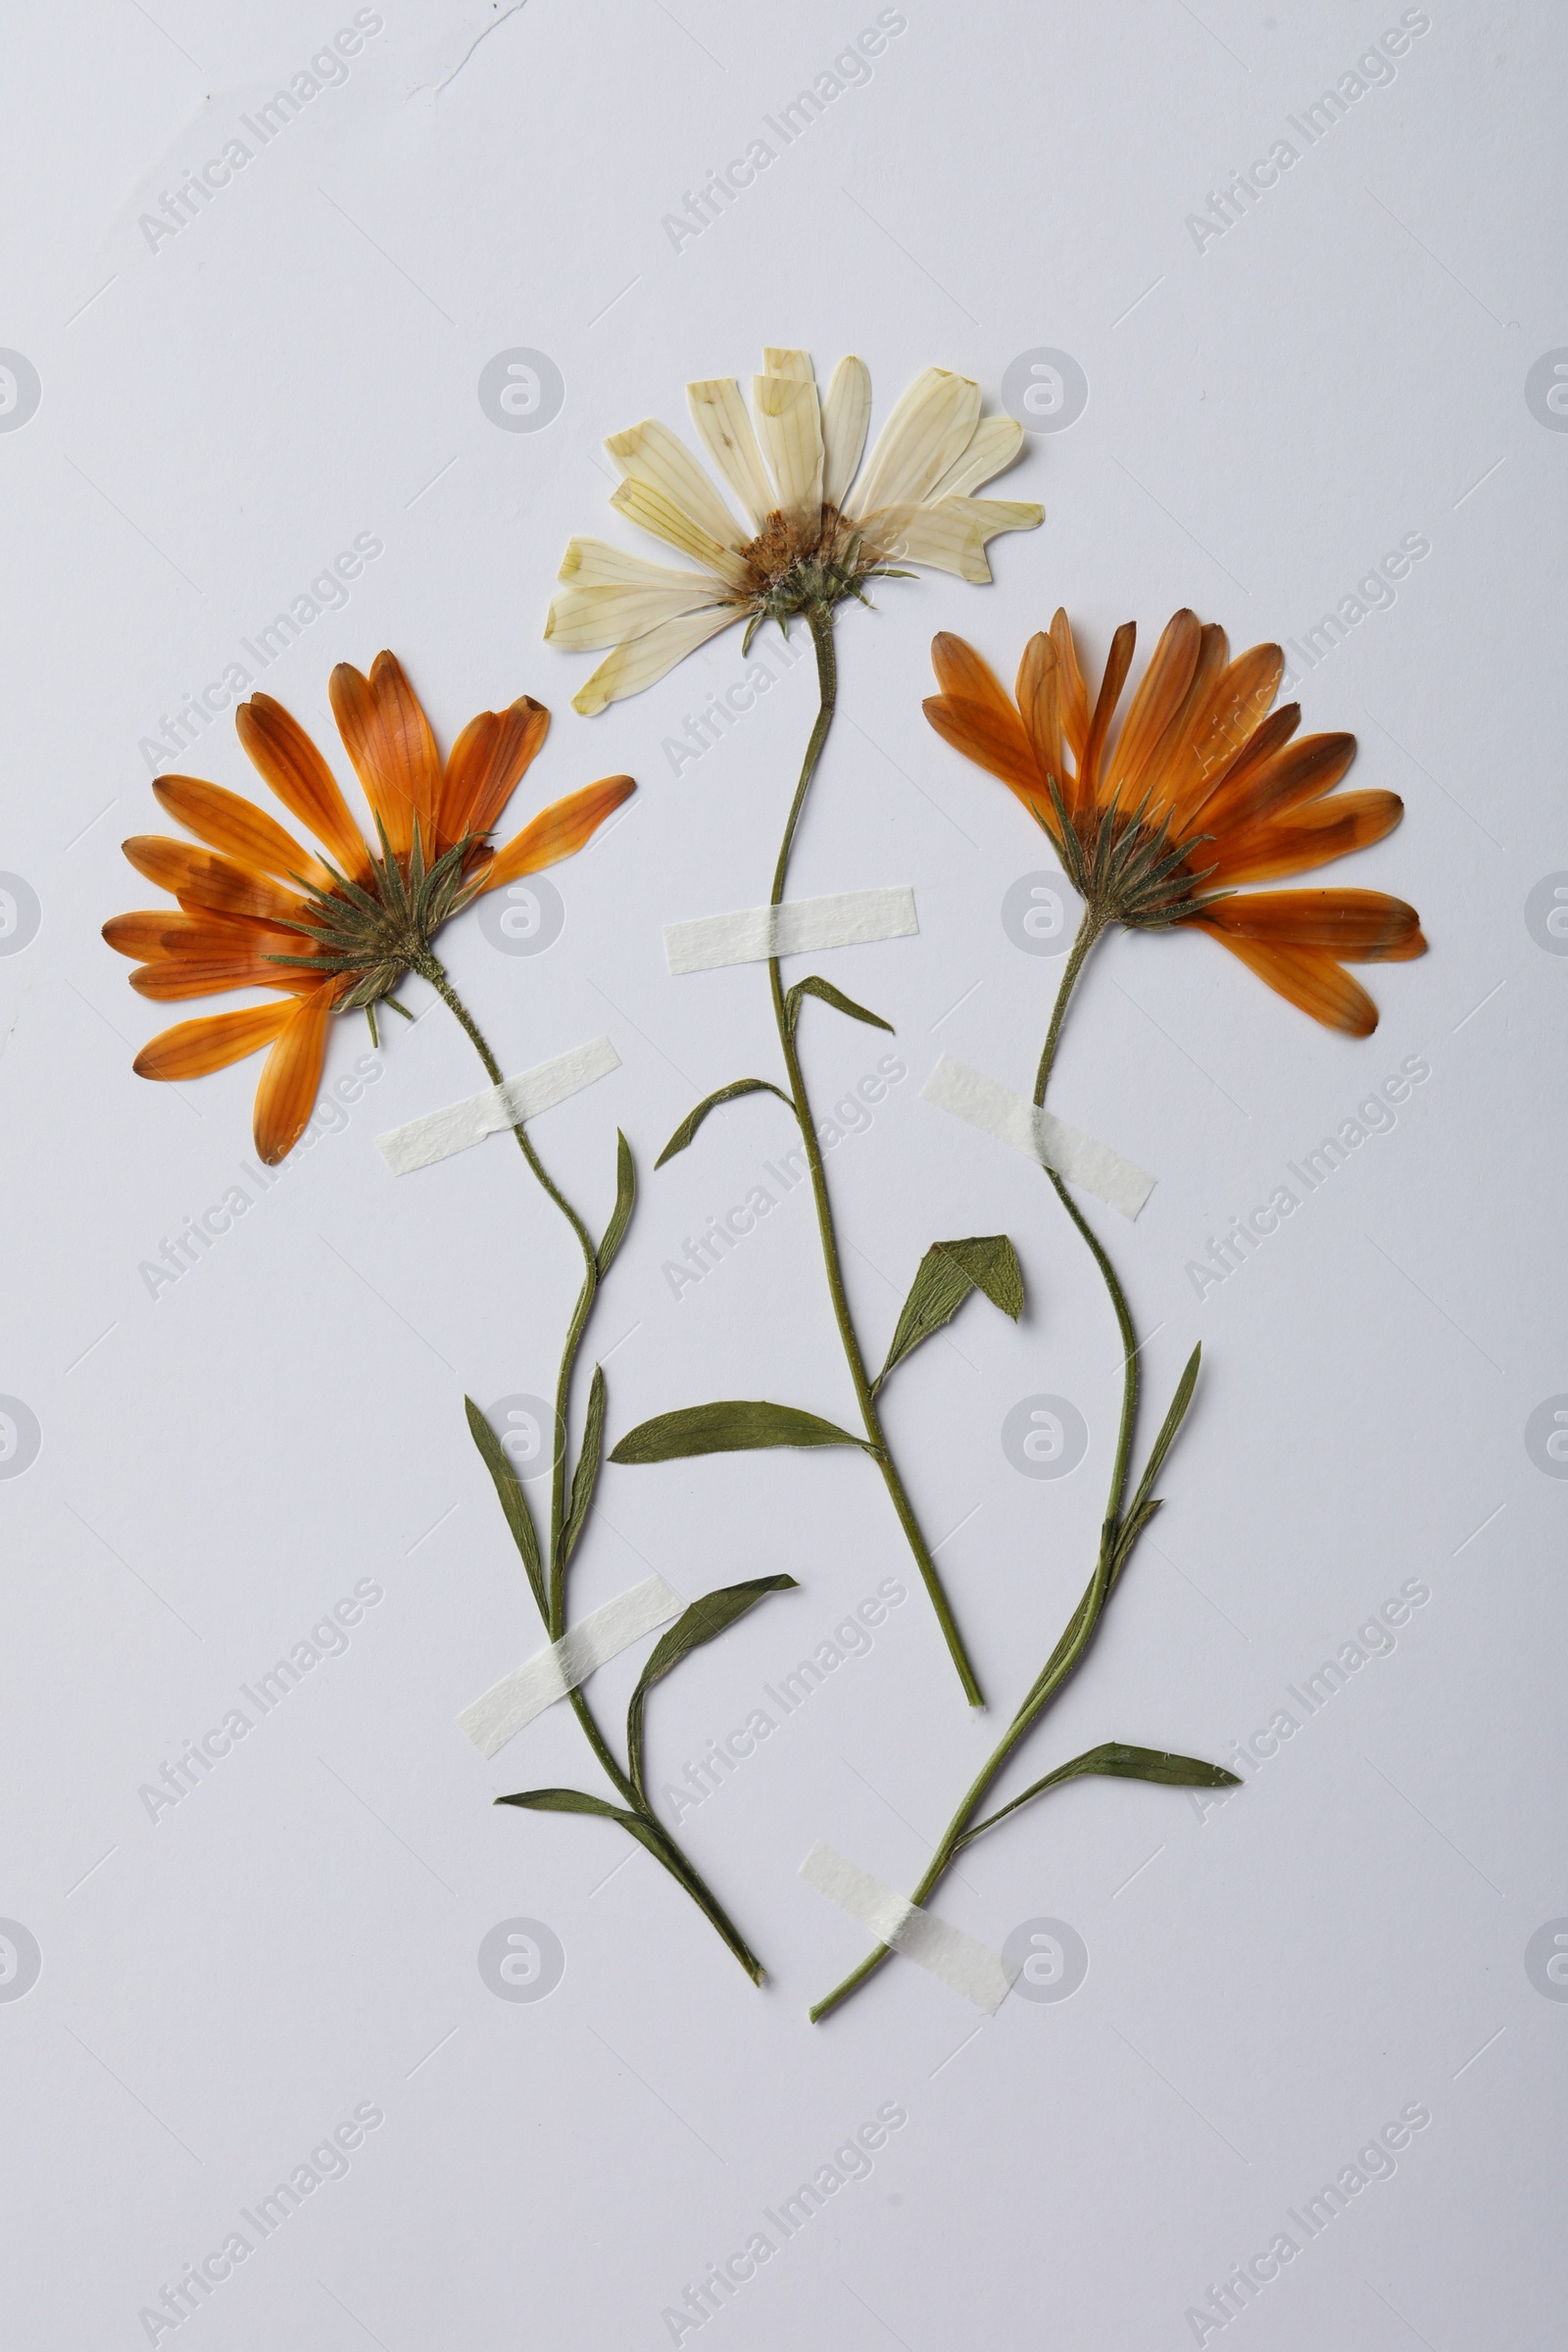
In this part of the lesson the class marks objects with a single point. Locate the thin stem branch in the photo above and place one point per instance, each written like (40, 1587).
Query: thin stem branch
(1080, 1629)
(822, 626)
(430, 968)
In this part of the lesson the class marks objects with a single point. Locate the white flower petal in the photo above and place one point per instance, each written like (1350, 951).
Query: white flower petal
(846, 414)
(597, 564)
(949, 536)
(929, 429)
(796, 364)
(995, 444)
(789, 425)
(581, 619)
(720, 414)
(642, 503)
(631, 668)
(651, 453)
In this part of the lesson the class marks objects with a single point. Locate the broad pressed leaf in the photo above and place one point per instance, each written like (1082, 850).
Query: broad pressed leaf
(727, 1094)
(1117, 1762)
(736, 1424)
(587, 1472)
(513, 1502)
(703, 1622)
(948, 1273)
(625, 1202)
(829, 995)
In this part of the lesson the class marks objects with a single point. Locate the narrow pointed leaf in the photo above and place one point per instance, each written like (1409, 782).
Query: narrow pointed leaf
(835, 997)
(1167, 1434)
(587, 1472)
(625, 1202)
(948, 1273)
(1115, 1761)
(575, 1801)
(727, 1094)
(733, 1426)
(703, 1621)
(513, 1502)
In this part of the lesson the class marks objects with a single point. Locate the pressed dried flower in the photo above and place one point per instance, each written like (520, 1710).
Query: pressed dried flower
(815, 526)
(337, 927)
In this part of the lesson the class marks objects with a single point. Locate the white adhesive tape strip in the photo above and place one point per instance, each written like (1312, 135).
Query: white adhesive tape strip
(981, 1975)
(1013, 1120)
(756, 933)
(440, 1133)
(491, 1721)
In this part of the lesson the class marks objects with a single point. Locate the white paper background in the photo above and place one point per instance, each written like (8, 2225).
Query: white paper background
(1266, 418)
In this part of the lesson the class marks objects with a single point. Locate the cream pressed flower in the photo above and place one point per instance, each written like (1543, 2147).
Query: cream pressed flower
(811, 533)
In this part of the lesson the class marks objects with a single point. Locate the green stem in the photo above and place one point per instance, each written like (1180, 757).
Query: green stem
(1080, 1629)
(430, 968)
(820, 619)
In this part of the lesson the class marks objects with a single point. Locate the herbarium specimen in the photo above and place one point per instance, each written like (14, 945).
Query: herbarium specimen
(1201, 790)
(813, 531)
(339, 928)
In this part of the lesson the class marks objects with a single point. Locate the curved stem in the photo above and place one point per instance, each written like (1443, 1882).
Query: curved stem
(429, 967)
(822, 625)
(1080, 1628)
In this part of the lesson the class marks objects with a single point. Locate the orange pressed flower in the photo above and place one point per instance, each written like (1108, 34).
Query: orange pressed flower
(1201, 789)
(337, 929)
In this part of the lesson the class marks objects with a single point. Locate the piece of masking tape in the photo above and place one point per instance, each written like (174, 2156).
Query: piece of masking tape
(973, 1969)
(1013, 1120)
(800, 927)
(491, 1721)
(440, 1133)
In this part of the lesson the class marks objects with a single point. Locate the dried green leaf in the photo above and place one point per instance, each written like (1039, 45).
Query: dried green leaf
(586, 1475)
(513, 1502)
(1117, 1762)
(948, 1273)
(829, 995)
(732, 1426)
(575, 1801)
(727, 1094)
(703, 1622)
(625, 1202)
(1167, 1435)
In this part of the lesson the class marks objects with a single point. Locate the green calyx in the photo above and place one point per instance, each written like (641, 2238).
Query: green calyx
(1127, 870)
(377, 930)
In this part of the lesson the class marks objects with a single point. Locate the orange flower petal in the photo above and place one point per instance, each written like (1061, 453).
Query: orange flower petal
(279, 749)
(486, 767)
(968, 676)
(226, 935)
(1359, 926)
(140, 935)
(1309, 977)
(1217, 730)
(1074, 694)
(1237, 776)
(290, 1077)
(208, 879)
(1265, 784)
(1118, 661)
(195, 1048)
(558, 832)
(1001, 747)
(1315, 835)
(388, 738)
(1040, 709)
(1161, 690)
(173, 977)
(236, 826)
